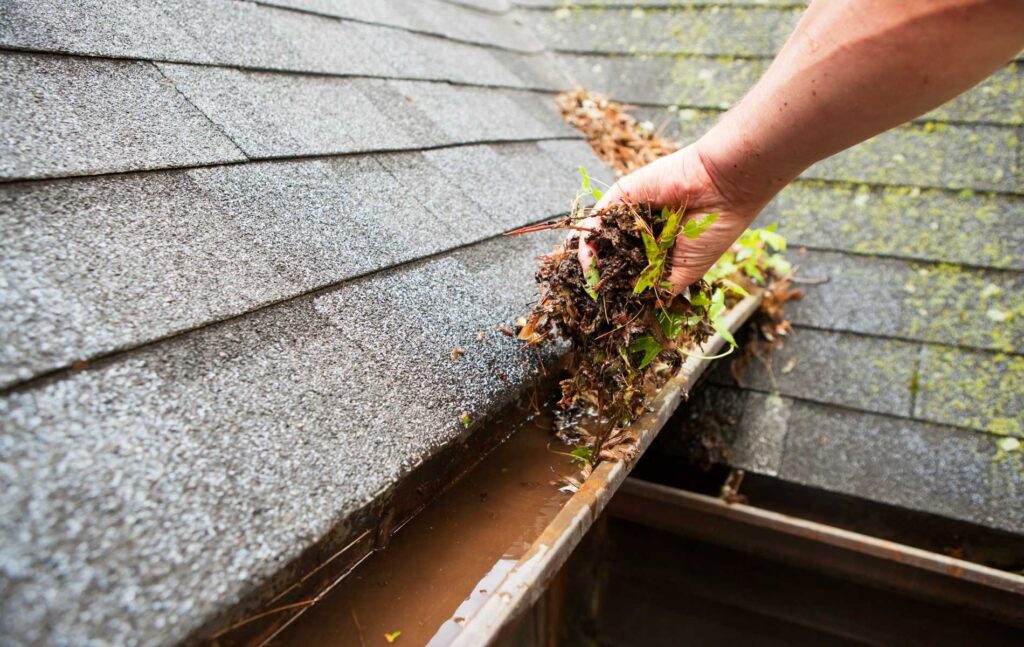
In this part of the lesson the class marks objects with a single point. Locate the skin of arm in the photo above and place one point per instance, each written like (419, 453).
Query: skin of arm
(850, 70)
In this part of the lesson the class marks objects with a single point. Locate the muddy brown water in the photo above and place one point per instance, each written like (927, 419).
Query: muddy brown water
(441, 566)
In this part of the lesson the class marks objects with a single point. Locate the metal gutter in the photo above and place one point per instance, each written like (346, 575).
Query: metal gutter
(823, 548)
(527, 579)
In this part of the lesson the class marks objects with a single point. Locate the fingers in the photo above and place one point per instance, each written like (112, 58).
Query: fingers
(586, 250)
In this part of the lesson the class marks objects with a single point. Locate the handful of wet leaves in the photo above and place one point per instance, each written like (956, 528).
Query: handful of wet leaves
(628, 333)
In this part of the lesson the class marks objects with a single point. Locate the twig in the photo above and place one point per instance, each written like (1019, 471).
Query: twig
(799, 280)
(242, 623)
(359, 630)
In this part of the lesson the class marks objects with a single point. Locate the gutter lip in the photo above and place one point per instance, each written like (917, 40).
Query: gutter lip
(519, 589)
(840, 539)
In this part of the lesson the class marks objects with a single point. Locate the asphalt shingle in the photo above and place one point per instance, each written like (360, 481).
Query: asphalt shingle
(866, 373)
(143, 495)
(246, 34)
(974, 156)
(981, 390)
(101, 264)
(944, 304)
(943, 226)
(67, 116)
(431, 16)
(920, 466)
(718, 82)
(729, 31)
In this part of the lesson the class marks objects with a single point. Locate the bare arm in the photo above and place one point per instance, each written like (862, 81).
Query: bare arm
(850, 70)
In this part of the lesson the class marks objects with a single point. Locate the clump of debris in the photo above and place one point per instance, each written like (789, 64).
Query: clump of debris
(622, 142)
(629, 333)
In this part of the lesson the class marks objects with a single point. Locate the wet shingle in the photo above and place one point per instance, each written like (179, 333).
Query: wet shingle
(945, 304)
(866, 373)
(980, 390)
(914, 465)
(126, 485)
(97, 265)
(67, 116)
(431, 16)
(688, 30)
(920, 466)
(955, 227)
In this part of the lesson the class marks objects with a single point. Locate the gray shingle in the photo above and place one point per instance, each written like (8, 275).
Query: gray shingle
(687, 81)
(125, 28)
(273, 115)
(936, 155)
(432, 16)
(974, 156)
(905, 463)
(703, 82)
(970, 228)
(65, 116)
(864, 373)
(97, 265)
(972, 389)
(246, 34)
(945, 304)
(687, 30)
(277, 115)
(146, 494)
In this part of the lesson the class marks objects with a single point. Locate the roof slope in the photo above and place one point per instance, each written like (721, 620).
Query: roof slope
(906, 369)
(244, 236)
(241, 241)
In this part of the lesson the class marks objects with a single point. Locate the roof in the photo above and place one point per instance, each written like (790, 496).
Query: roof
(242, 239)
(906, 369)
(241, 242)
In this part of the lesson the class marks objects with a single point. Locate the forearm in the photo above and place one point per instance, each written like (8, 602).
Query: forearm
(850, 70)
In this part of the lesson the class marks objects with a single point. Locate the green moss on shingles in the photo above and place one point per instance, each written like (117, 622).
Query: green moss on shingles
(964, 306)
(980, 390)
(974, 228)
(957, 156)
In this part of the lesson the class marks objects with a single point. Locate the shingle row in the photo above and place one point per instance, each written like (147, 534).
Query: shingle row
(728, 31)
(978, 390)
(706, 82)
(971, 156)
(144, 494)
(430, 16)
(938, 303)
(965, 227)
(246, 34)
(94, 265)
(79, 116)
(915, 465)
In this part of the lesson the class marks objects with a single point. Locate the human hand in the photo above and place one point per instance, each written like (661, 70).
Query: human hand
(684, 179)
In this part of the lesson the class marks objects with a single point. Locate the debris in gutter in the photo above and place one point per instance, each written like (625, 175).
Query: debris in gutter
(617, 137)
(457, 353)
(628, 333)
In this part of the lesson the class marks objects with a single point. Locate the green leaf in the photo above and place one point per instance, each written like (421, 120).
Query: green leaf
(773, 240)
(667, 238)
(582, 454)
(650, 247)
(700, 300)
(649, 277)
(588, 186)
(593, 276)
(722, 330)
(647, 345)
(671, 323)
(694, 228)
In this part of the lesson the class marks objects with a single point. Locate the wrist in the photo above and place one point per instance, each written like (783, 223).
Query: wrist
(748, 173)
